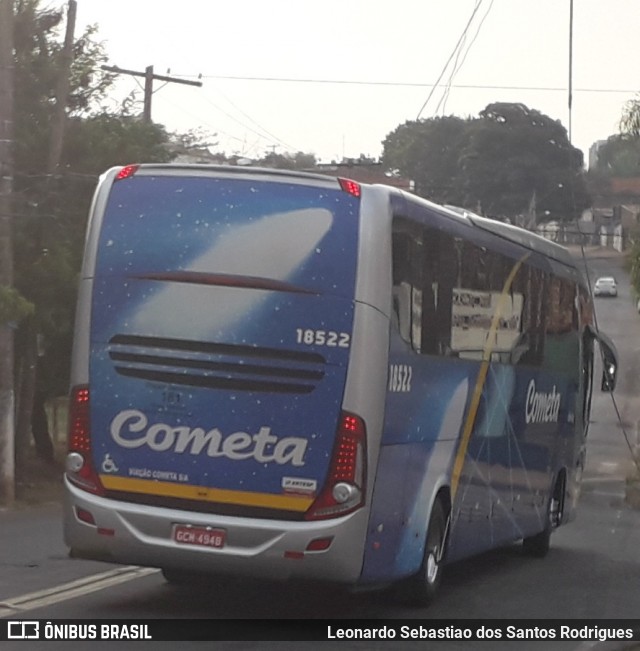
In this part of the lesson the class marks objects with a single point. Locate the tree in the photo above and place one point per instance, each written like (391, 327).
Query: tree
(630, 122)
(428, 152)
(297, 161)
(630, 134)
(516, 157)
(501, 163)
(619, 156)
(51, 210)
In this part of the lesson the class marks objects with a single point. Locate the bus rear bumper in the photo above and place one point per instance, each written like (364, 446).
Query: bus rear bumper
(121, 532)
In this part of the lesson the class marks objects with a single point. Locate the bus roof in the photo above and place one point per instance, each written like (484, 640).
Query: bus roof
(514, 234)
(525, 238)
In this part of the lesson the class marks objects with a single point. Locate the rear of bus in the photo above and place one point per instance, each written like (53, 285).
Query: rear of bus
(216, 421)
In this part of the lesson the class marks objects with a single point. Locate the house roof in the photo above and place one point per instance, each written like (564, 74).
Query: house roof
(626, 186)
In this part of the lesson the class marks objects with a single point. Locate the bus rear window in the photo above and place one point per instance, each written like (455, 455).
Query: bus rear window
(280, 231)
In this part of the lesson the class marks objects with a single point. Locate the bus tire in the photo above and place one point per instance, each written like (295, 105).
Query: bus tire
(423, 586)
(538, 546)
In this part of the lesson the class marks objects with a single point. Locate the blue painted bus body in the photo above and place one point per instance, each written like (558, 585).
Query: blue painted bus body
(166, 248)
(234, 317)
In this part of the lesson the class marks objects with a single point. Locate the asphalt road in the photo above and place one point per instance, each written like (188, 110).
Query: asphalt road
(592, 571)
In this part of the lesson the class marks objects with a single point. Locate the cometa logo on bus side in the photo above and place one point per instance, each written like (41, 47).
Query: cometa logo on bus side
(130, 429)
(542, 407)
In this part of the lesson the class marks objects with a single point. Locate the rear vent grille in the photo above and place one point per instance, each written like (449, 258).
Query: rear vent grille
(216, 366)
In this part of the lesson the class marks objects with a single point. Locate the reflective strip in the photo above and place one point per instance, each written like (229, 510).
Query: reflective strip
(202, 493)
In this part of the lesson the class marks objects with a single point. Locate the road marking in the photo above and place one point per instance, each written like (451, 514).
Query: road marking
(73, 589)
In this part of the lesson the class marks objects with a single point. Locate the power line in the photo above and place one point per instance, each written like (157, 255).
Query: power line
(446, 65)
(409, 84)
(458, 66)
(149, 77)
(269, 136)
(147, 89)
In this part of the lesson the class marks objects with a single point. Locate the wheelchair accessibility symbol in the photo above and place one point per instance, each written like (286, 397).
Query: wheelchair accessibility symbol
(108, 464)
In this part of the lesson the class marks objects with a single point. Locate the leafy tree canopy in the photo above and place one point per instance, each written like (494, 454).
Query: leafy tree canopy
(501, 163)
(428, 152)
(619, 156)
(51, 210)
(297, 161)
(630, 122)
(625, 150)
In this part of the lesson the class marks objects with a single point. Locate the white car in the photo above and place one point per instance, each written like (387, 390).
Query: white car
(605, 286)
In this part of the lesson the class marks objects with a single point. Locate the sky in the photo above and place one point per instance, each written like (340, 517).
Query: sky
(334, 78)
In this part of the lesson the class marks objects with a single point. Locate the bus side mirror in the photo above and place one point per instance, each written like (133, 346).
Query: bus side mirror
(610, 368)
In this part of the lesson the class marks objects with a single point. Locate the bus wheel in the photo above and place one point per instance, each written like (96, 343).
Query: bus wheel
(423, 586)
(538, 545)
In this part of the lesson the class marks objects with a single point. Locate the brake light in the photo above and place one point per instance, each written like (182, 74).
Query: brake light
(126, 172)
(351, 187)
(79, 465)
(344, 489)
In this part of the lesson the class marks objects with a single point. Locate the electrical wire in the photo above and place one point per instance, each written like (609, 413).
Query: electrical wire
(457, 66)
(269, 138)
(271, 135)
(455, 49)
(410, 84)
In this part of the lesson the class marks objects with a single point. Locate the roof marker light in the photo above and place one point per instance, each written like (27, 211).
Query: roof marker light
(126, 172)
(351, 187)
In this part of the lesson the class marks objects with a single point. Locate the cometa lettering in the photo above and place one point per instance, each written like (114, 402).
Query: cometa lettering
(542, 407)
(130, 429)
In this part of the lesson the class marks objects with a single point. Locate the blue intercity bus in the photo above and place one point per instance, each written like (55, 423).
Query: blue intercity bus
(287, 375)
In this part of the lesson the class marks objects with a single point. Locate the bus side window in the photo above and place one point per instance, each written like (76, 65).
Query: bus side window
(407, 297)
(530, 283)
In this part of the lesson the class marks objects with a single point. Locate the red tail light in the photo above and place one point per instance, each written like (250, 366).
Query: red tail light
(344, 490)
(126, 172)
(79, 465)
(351, 187)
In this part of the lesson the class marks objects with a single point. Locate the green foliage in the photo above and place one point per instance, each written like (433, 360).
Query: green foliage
(634, 270)
(13, 306)
(51, 210)
(499, 163)
(96, 143)
(619, 157)
(298, 161)
(428, 152)
(630, 122)
(38, 46)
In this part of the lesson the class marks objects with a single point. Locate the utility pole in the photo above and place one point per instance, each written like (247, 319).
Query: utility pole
(7, 396)
(570, 65)
(62, 92)
(149, 78)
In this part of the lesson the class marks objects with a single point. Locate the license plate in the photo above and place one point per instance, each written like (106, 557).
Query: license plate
(199, 536)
